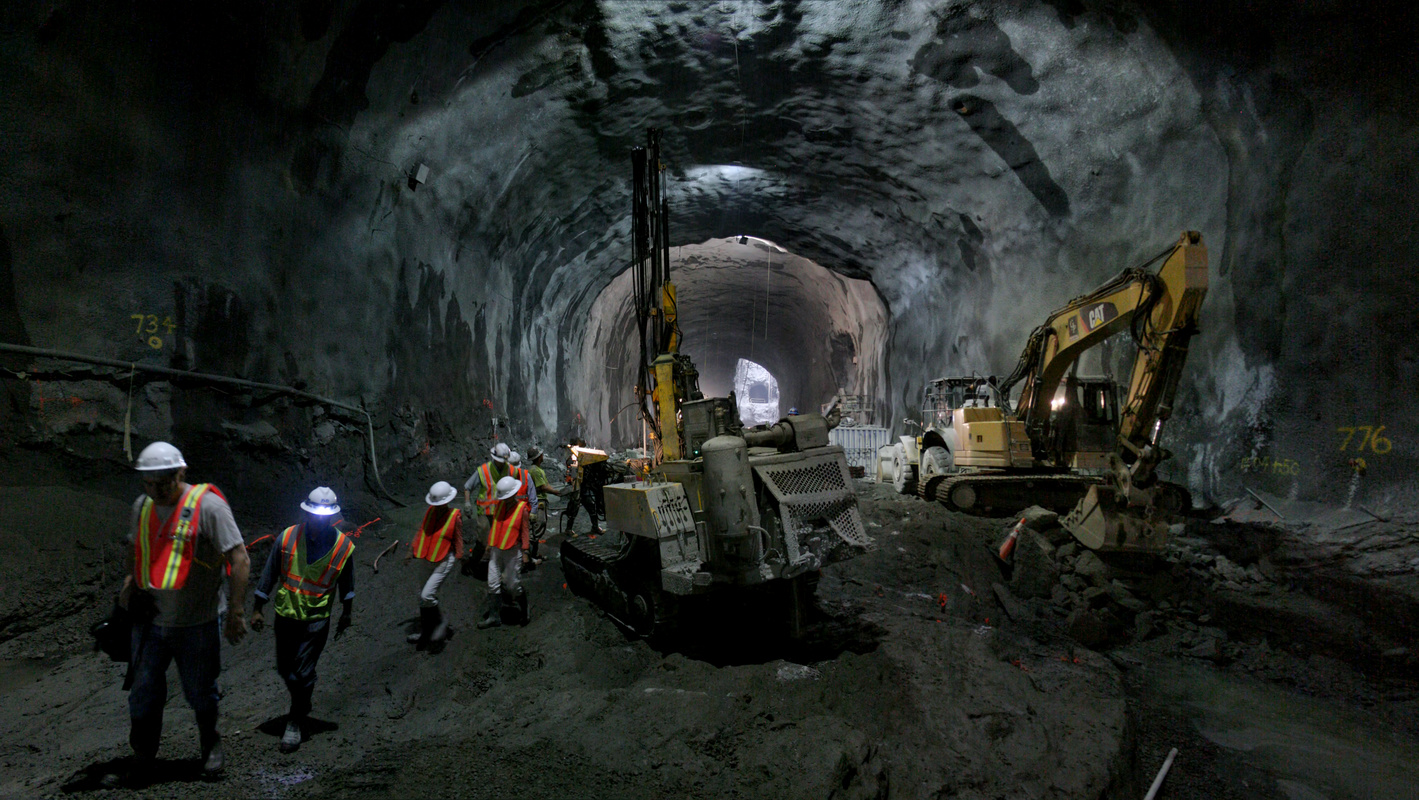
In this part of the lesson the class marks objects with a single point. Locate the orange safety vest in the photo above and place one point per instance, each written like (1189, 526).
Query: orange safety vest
(488, 497)
(164, 550)
(507, 527)
(292, 539)
(435, 546)
(526, 478)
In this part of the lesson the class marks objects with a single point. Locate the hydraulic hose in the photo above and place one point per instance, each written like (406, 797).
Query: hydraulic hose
(210, 378)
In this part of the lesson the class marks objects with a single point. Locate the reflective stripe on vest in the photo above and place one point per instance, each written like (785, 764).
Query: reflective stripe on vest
(506, 532)
(298, 578)
(488, 497)
(435, 546)
(163, 551)
(526, 478)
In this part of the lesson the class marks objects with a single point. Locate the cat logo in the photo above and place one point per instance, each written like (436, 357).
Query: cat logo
(1096, 316)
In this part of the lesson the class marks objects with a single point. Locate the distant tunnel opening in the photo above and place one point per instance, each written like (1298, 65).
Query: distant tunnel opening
(742, 300)
(756, 390)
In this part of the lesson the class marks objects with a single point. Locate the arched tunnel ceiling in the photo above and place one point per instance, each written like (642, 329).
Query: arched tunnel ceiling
(814, 330)
(246, 172)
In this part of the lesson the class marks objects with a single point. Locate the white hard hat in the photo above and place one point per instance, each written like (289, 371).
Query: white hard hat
(440, 494)
(501, 453)
(159, 456)
(321, 501)
(508, 486)
(514, 458)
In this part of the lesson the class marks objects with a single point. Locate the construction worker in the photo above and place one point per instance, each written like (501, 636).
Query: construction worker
(586, 482)
(183, 537)
(486, 478)
(544, 489)
(440, 542)
(311, 561)
(527, 493)
(507, 546)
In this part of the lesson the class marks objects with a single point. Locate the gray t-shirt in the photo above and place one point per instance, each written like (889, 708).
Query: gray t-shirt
(196, 602)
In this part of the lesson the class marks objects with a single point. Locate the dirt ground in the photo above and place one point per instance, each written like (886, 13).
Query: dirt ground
(928, 674)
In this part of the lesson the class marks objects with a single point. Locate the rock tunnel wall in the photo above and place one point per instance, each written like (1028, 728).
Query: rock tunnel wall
(243, 174)
(814, 330)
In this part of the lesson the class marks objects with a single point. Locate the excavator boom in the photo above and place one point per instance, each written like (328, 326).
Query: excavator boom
(1160, 310)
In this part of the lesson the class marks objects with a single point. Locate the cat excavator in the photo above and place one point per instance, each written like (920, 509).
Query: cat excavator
(1068, 442)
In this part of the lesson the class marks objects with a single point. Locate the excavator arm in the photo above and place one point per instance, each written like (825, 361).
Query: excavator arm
(1160, 310)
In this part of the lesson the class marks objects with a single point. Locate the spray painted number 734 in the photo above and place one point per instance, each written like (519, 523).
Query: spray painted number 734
(149, 324)
(1369, 435)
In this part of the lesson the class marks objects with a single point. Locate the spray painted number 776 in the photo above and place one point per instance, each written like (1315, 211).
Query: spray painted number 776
(1369, 437)
(148, 325)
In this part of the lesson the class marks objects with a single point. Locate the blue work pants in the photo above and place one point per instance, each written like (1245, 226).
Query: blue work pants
(197, 649)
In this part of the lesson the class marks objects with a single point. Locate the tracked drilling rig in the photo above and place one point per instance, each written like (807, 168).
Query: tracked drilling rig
(725, 511)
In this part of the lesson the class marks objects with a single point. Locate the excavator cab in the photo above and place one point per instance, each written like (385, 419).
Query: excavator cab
(1083, 423)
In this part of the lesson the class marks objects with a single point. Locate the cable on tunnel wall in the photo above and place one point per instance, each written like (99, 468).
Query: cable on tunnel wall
(221, 379)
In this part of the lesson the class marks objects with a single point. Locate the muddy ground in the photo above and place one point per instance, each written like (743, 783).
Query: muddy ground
(929, 672)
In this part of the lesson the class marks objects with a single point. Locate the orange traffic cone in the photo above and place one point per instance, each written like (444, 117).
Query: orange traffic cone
(1007, 548)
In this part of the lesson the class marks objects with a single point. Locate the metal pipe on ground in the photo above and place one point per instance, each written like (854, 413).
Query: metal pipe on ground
(210, 378)
(1162, 773)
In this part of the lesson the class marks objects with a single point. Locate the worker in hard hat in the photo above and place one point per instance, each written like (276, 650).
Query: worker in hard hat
(184, 537)
(507, 545)
(587, 485)
(528, 493)
(308, 567)
(439, 542)
(485, 480)
(543, 489)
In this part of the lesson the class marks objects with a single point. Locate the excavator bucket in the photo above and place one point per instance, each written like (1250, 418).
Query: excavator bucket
(1101, 522)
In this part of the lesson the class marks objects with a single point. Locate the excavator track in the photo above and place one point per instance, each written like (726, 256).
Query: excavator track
(999, 495)
(611, 574)
(926, 487)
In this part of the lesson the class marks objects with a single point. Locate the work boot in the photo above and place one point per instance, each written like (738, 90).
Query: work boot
(521, 600)
(439, 631)
(212, 757)
(492, 611)
(213, 762)
(291, 739)
(139, 774)
(427, 619)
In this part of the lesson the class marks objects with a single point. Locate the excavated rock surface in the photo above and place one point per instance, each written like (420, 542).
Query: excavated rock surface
(892, 695)
(247, 179)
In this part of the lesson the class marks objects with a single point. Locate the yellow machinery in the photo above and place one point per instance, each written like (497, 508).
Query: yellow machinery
(743, 517)
(1068, 436)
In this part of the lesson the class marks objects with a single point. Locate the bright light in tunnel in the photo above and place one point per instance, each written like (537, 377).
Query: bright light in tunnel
(756, 389)
(745, 239)
(723, 172)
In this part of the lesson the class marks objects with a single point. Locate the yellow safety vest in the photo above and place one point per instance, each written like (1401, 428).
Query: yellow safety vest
(305, 588)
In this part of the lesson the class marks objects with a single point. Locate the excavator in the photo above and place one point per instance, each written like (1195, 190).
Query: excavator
(725, 513)
(1067, 442)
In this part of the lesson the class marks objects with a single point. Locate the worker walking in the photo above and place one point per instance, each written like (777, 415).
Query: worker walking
(543, 489)
(587, 478)
(311, 561)
(183, 536)
(485, 479)
(440, 542)
(528, 493)
(507, 546)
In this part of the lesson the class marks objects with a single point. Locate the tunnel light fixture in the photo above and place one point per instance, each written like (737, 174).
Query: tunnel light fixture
(743, 239)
